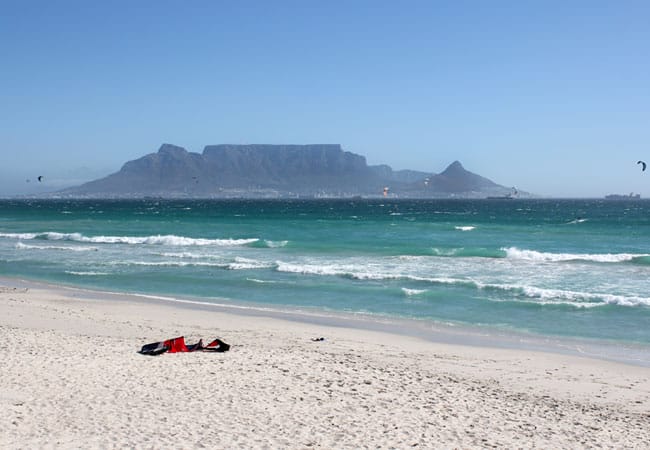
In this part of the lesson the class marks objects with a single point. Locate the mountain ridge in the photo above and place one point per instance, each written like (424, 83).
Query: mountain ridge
(277, 171)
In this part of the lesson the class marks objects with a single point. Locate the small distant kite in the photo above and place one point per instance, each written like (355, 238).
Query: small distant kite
(40, 178)
(643, 165)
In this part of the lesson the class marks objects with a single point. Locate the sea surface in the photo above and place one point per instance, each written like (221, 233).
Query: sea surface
(556, 270)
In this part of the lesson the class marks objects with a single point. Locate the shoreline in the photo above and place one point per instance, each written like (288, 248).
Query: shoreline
(435, 332)
(72, 378)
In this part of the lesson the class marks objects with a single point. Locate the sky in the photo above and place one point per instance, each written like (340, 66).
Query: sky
(552, 97)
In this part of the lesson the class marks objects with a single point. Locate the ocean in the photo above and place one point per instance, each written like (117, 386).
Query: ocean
(569, 273)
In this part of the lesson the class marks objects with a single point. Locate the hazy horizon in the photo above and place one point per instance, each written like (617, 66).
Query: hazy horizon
(552, 98)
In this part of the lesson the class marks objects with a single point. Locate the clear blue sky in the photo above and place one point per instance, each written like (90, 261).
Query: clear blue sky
(550, 96)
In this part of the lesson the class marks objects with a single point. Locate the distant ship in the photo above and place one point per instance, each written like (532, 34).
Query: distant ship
(630, 196)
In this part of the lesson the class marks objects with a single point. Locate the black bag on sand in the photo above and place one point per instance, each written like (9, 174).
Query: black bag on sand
(156, 348)
(216, 346)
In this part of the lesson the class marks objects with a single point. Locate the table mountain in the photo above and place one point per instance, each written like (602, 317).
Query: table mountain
(276, 171)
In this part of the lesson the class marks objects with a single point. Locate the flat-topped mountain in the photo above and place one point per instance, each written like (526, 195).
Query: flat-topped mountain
(319, 170)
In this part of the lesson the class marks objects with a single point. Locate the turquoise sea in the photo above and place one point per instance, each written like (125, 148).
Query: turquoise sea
(573, 271)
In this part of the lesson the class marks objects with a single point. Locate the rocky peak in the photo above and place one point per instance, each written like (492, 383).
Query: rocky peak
(172, 150)
(454, 168)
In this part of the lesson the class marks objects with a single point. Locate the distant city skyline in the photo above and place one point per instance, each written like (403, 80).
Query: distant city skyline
(551, 97)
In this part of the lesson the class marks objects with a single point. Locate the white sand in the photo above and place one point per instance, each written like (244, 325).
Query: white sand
(71, 378)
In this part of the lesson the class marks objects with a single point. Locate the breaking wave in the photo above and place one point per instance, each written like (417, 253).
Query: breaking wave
(533, 255)
(503, 292)
(463, 252)
(23, 246)
(187, 255)
(170, 240)
(170, 264)
(538, 256)
(248, 264)
(265, 243)
(237, 264)
(548, 296)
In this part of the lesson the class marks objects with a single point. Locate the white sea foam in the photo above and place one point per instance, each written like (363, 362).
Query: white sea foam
(442, 280)
(445, 251)
(581, 299)
(362, 271)
(237, 264)
(516, 292)
(170, 264)
(188, 255)
(255, 280)
(409, 257)
(170, 240)
(465, 228)
(23, 246)
(356, 271)
(411, 292)
(89, 273)
(25, 236)
(533, 255)
(246, 264)
(276, 244)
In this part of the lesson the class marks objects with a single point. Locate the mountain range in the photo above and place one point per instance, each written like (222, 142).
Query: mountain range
(277, 171)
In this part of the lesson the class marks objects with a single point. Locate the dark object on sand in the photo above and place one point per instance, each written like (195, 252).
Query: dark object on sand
(318, 339)
(177, 345)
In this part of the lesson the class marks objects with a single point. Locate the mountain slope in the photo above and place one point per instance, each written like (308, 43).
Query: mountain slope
(455, 179)
(275, 171)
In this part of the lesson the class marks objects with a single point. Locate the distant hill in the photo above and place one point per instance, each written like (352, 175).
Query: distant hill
(455, 179)
(270, 171)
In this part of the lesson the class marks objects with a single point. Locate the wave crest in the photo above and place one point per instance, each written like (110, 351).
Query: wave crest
(533, 255)
(170, 240)
(23, 246)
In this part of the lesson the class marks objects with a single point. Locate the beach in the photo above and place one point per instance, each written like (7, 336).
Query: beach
(72, 378)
